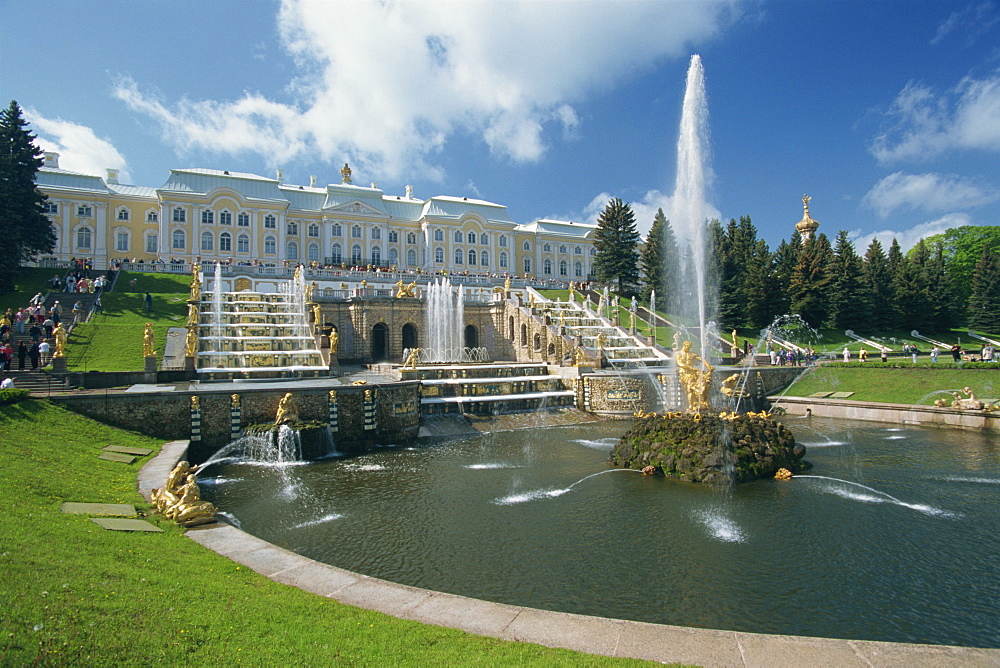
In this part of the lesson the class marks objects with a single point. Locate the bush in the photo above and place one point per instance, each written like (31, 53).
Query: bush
(904, 363)
(8, 397)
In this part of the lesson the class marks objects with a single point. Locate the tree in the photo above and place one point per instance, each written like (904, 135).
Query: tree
(809, 285)
(847, 303)
(615, 244)
(984, 301)
(878, 288)
(786, 257)
(26, 229)
(660, 259)
(764, 303)
(963, 248)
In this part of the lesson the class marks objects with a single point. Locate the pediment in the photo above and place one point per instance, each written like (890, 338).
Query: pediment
(357, 207)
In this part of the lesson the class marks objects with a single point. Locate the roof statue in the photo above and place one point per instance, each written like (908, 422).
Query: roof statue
(345, 174)
(807, 226)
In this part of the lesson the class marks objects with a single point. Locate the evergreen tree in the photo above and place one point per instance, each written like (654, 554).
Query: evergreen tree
(984, 301)
(847, 303)
(615, 243)
(940, 291)
(729, 258)
(26, 229)
(910, 286)
(810, 281)
(764, 303)
(896, 262)
(878, 293)
(660, 259)
(786, 257)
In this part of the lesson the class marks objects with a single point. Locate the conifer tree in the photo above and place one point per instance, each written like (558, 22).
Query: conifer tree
(26, 229)
(763, 302)
(615, 242)
(984, 302)
(660, 259)
(810, 281)
(786, 257)
(847, 303)
(878, 288)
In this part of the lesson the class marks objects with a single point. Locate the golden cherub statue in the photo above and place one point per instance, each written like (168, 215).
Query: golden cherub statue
(405, 290)
(148, 341)
(180, 499)
(287, 410)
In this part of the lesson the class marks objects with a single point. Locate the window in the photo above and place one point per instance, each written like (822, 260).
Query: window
(458, 237)
(313, 253)
(270, 222)
(270, 245)
(122, 214)
(207, 217)
(336, 255)
(50, 207)
(547, 267)
(472, 257)
(376, 233)
(411, 258)
(393, 258)
(527, 246)
(547, 248)
(152, 217)
(243, 219)
(503, 242)
(578, 269)
(593, 252)
(484, 239)
(121, 240)
(207, 242)
(562, 249)
(356, 254)
(459, 256)
(151, 243)
(484, 258)
(178, 241)
(225, 218)
(393, 237)
(471, 237)
(336, 231)
(225, 242)
(438, 235)
(292, 228)
(527, 265)
(563, 268)
(243, 244)
(411, 238)
(179, 216)
(84, 211)
(376, 255)
(577, 251)
(503, 260)
(292, 251)
(356, 232)
(313, 230)
(439, 255)
(83, 237)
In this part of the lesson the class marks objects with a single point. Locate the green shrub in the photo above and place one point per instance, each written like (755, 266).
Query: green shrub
(8, 397)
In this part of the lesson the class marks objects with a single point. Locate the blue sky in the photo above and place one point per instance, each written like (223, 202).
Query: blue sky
(886, 113)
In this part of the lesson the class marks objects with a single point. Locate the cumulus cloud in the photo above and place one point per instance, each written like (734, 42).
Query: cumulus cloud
(79, 149)
(926, 192)
(925, 124)
(908, 238)
(644, 209)
(386, 84)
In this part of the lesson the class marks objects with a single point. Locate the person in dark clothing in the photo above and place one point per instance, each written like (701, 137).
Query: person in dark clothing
(35, 332)
(956, 353)
(22, 352)
(34, 355)
(149, 303)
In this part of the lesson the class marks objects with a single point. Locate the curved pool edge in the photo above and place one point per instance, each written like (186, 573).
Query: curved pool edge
(592, 635)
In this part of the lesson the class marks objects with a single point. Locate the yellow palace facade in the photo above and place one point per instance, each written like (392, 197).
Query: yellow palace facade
(216, 215)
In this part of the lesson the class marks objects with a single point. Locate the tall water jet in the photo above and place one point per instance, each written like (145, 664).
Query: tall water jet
(689, 206)
(217, 309)
(444, 309)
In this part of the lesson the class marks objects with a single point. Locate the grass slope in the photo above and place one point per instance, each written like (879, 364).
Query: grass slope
(75, 594)
(897, 385)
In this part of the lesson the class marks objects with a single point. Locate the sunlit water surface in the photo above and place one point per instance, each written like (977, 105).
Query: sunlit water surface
(897, 540)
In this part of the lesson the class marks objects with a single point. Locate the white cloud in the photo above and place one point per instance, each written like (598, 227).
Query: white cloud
(971, 22)
(927, 124)
(386, 83)
(644, 209)
(79, 149)
(926, 192)
(908, 238)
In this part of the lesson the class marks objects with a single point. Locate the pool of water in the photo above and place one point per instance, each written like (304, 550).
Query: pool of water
(895, 538)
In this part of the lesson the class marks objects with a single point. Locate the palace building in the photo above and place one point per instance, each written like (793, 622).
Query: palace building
(211, 215)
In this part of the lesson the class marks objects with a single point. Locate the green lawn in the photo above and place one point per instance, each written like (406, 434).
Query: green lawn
(74, 594)
(897, 385)
(29, 281)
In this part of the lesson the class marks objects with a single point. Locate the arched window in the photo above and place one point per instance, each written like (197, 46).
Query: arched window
(376, 233)
(472, 257)
(335, 230)
(83, 237)
(121, 240)
(484, 258)
(577, 251)
(527, 246)
(547, 248)
(562, 249)
(578, 269)
(459, 256)
(471, 237)
(356, 232)
(393, 257)
(524, 335)
(291, 227)
(563, 268)
(538, 342)
(393, 237)
(225, 217)
(179, 215)
(376, 255)
(503, 242)
(336, 254)
(313, 252)
(178, 242)
(152, 216)
(484, 239)
(207, 217)
(122, 214)
(356, 254)
(458, 236)
(243, 244)
(152, 241)
(292, 251)
(313, 230)
(510, 327)
(411, 258)
(225, 242)
(411, 238)
(503, 260)
(527, 265)
(270, 245)
(547, 267)
(207, 241)
(438, 235)
(243, 220)
(270, 222)
(439, 255)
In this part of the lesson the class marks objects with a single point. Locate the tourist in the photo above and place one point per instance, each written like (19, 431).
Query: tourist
(8, 356)
(847, 354)
(148, 299)
(43, 351)
(934, 354)
(35, 332)
(956, 353)
(22, 352)
(914, 352)
(863, 355)
(132, 284)
(885, 355)
(48, 326)
(7, 383)
(97, 304)
(34, 355)
(988, 352)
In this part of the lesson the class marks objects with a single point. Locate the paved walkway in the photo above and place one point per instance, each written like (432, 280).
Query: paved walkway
(594, 635)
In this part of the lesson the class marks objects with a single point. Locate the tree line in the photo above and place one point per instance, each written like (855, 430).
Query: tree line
(945, 281)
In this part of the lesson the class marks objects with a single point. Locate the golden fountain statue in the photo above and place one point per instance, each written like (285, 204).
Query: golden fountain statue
(695, 382)
(405, 290)
(180, 499)
(59, 334)
(288, 411)
(191, 342)
(334, 341)
(148, 341)
(193, 315)
(411, 360)
(317, 315)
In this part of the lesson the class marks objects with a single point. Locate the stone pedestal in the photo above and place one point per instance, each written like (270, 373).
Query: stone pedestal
(189, 364)
(150, 364)
(652, 340)
(334, 364)
(58, 365)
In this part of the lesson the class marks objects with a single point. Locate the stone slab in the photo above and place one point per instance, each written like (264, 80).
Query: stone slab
(116, 524)
(317, 578)
(113, 509)
(382, 596)
(128, 450)
(116, 457)
(820, 395)
(468, 614)
(594, 635)
(841, 395)
(679, 644)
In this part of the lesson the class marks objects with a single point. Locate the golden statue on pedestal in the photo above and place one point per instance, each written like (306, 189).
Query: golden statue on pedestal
(317, 315)
(148, 341)
(59, 334)
(193, 315)
(287, 410)
(405, 290)
(334, 341)
(411, 360)
(191, 342)
(180, 498)
(195, 288)
(695, 382)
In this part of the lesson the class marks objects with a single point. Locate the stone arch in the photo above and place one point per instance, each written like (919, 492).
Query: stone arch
(380, 342)
(471, 336)
(524, 335)
(410, 337)
(537, 342)
(510, 327)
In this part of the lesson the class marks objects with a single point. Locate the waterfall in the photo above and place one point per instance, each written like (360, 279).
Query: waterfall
(217, 308)
(445, 313)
